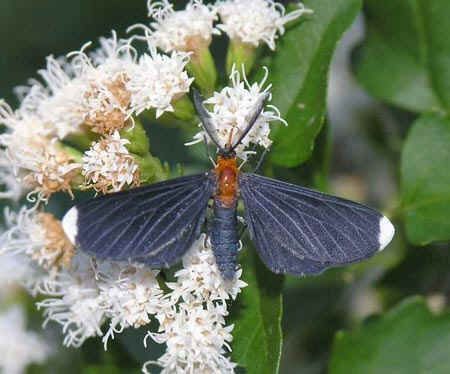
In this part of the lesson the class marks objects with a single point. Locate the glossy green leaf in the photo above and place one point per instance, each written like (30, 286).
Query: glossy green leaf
(257, 336)
(406, 55)
(299, 73)
(407, 340)
(425, 174)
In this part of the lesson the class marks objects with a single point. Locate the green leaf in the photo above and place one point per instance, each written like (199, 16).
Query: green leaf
(408, 339)
(136, 135)
(257, 336)
(406, 55)
(425, 178)
(436, 14)
(299, 73)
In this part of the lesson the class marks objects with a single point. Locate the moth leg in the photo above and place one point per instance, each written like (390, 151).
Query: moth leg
(208, 154)
(261, 159)
(243, 229)
(208, 225)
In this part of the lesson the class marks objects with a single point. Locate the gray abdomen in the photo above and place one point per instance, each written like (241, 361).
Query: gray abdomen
(224, 239)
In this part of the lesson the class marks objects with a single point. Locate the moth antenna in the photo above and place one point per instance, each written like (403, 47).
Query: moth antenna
(205, 118)
(258, 109)
(261, 159)
(207, 151)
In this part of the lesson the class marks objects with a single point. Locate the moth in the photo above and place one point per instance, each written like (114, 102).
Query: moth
(296, 230)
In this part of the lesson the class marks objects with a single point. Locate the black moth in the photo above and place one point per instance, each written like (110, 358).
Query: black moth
(296, 230)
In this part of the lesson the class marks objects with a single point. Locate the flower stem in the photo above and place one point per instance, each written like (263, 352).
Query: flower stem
(150, 167)
(241, 54)
(203, 69)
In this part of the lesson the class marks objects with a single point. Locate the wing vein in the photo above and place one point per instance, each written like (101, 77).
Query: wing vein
(323, 222)
(292, 221)
(280, 225)
(156, 224)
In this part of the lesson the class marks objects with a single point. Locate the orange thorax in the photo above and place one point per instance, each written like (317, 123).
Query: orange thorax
(227, 180)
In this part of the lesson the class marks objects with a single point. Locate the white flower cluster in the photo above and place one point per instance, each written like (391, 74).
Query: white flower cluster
(193, 326)
(158, 80)
(99, 92)
(108, 165)
(130, 295)
(88, 294)
(37, 241)
(191, 316)
(255, 21)
(248, 21)
(71, 132)
(184, 30)
(19, 347)
(84, 90)
(82, 294)
(31, 157)
(74, 302)
(232, 108)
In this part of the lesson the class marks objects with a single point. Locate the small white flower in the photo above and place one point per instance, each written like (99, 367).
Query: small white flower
(108, 166)
(157, 81)
(14, 190)
(24, 121)
(130, 295)
(37, 235)
(83, 90)
(183, 30)
(19, 347)
(82, 296)
(113, 55)
(232, 108)
(200, 279)
(54, 169)
(76, 303)
(40, 165)
(59, 101)
(255, 21)
(106, 70)
(196, 338)
(91, 292)
(35, 243)
(36, 161)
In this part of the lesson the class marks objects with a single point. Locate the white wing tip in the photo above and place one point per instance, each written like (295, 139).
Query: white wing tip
(70, 224)
(387, 232)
